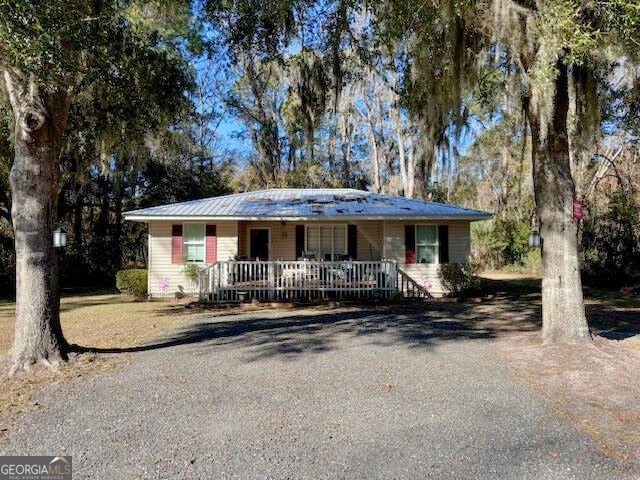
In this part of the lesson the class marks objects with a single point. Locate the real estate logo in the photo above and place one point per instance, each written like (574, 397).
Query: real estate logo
(35, 468)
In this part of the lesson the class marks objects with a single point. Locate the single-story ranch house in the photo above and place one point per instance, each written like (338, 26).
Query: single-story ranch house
(287, 243)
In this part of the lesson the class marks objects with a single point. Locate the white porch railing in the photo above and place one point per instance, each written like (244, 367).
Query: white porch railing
(284, 280)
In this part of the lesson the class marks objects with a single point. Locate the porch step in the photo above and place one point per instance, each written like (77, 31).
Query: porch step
(409, 288)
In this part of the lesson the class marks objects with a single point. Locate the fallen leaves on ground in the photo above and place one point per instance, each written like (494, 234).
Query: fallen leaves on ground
(100, 321)
(17, 394)
(595, 386)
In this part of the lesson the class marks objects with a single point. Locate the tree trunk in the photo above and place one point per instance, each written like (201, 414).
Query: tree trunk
(394, 115)
(503, 194)
(346, 131)
(40, 120)
(78, 209)
(563, 314)
(346, 165)
(375, 159)
(420, 183)
(374, 153)
(505, 164)
(116, 238)
(331, 153)
(411, 167)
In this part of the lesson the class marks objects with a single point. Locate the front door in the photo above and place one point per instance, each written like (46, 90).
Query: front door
(259, 243)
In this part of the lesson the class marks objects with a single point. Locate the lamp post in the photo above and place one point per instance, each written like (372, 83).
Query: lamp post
(534, 239)
(59, 238)
(59, 241)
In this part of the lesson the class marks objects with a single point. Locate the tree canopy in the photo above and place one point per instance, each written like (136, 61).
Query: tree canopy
(513, 106)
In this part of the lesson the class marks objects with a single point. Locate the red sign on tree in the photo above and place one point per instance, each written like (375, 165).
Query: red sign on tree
(578, 209)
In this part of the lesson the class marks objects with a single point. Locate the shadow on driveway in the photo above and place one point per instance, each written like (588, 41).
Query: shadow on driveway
(291, 333)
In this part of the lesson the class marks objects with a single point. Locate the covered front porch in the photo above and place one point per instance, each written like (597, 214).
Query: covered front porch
(360, 240)
(281, 260)
(238, 280)
(303, 279)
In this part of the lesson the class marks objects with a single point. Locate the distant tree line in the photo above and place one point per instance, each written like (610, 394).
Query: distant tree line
(518, 107)
(153, 136)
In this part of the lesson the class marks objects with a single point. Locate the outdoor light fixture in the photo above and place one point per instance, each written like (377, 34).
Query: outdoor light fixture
(59, 238)
(534, 239)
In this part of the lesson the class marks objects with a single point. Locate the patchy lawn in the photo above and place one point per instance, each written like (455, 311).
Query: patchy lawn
(105, 320)
(95, 320)
(519, 283)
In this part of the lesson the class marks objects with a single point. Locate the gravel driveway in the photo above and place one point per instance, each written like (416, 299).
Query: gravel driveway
(350, 393)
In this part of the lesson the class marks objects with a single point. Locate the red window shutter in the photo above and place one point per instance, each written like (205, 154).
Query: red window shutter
(176, 243)
(211, 244)
(410, 244)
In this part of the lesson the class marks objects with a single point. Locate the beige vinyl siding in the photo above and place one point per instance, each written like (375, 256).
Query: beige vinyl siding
(283, 238)
(394, 250)
(459, 243)
(369, 240)
(421, 271)
(160, 266)
(376, 239)
(227, 233)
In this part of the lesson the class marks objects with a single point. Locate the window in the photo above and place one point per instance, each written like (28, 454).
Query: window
(327, 242)
(427, 243)
(193, 241)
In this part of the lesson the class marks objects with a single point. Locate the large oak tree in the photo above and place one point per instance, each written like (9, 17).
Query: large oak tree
(50, 54)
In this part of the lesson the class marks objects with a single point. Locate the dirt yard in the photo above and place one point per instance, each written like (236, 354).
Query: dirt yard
(596, 387)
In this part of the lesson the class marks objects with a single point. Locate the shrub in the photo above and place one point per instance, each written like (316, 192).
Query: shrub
(610, 241)
(500, 242)
(132, 282)
(458, 278)
(191, 271)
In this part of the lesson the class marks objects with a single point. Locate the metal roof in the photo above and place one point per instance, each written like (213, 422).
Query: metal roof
(306, 203)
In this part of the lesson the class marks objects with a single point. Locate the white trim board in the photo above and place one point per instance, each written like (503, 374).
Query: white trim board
(196, 219)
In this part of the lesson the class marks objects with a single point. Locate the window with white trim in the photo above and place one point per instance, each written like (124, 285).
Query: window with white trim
(326, 242)
(427, 243)
(193, 242)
